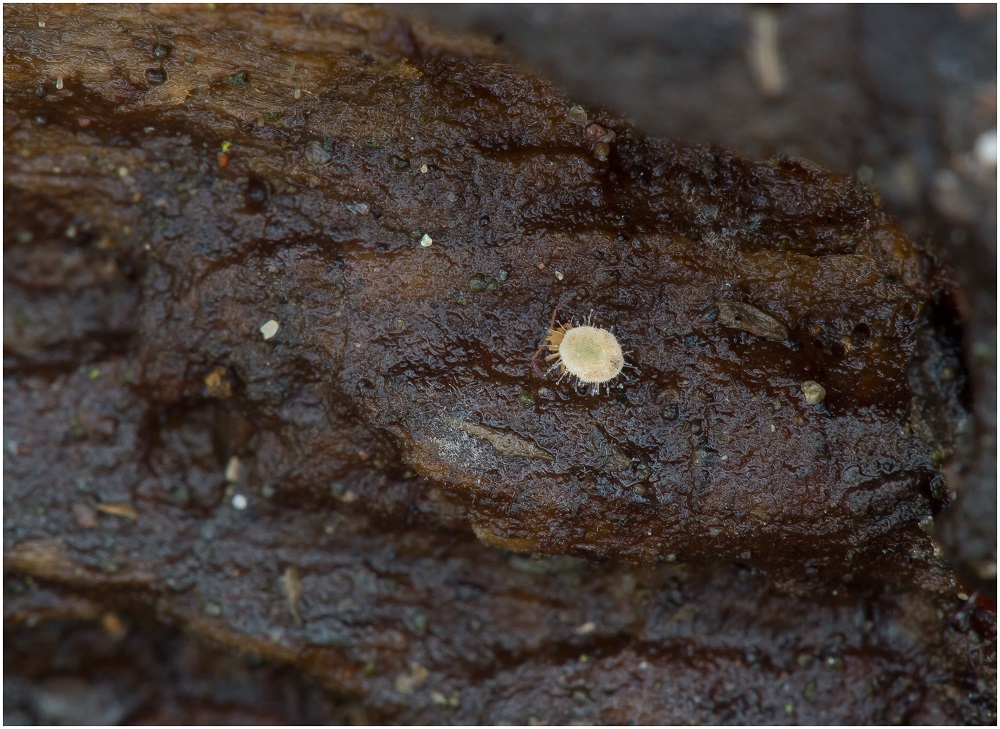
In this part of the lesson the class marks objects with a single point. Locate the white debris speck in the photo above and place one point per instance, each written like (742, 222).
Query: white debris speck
(123, 171)
(577, 115)
(239, 502)
(559, 276)
(407, 683)
(359, 208)
(426, 241)
(59, 83)
(813, 392)
(587, 628)
(985, 150)
(297, 94)
(233, 470)
(765, 56)
(424, 169)
(269, 328)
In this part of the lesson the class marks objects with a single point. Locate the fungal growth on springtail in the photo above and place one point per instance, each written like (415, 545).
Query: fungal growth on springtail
(586, 353)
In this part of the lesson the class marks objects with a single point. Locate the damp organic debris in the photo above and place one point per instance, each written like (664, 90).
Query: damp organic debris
(318, 437)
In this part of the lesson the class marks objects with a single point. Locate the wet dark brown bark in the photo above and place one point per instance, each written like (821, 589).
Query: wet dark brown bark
(407, 211)
(904, 99)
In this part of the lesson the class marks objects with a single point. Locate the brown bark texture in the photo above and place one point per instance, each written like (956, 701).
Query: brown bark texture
(274, 279)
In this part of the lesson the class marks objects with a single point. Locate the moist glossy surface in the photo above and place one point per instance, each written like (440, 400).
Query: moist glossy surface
(409, 210)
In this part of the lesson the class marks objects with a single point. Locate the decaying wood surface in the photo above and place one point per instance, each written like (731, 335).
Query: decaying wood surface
(273, 281)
